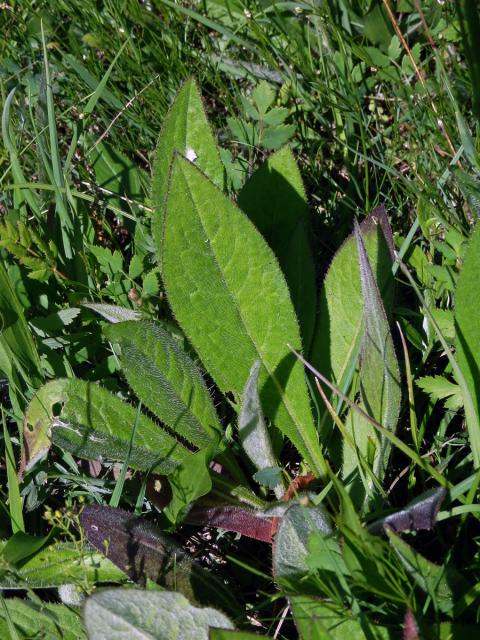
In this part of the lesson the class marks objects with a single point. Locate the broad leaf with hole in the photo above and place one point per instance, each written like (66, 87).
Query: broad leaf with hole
(187, 131)
(92, 423)
(167, 380)
(230, 298)
(148, 615)
(274, 200)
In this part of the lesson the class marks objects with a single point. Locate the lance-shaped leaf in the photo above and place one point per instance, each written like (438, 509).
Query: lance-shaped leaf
(231, 299)
(148, 615)
(274, 200)
(143, 551)
(258, 525)
(252, 429)
(379, 380)
(338, 332)
(419, 514)
(61, 564)
(290, 550)
(187, 131)
(166, 380)
(467, 329)
(112, 312)
(92, 423)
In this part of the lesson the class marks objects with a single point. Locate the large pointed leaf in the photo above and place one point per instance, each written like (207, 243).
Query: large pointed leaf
(229, 295)
(148, 615)
(340, 307)
(467, 329)
(379, 378)
(166, 380)
(274, 200)
(187, 131)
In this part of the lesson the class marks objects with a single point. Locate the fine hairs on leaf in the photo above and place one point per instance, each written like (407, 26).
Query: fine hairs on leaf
(252, 429)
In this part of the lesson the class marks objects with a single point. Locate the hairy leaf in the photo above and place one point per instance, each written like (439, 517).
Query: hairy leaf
(252, 430)
(379, 379)
(228, 294)
(148, 615)
(340, 308)
(113, 313)
(187, 131)
(290, 551)
(144, 551)
(166, 380)
(467, 329)
(92, 423)
(274, 200)
(419, 514)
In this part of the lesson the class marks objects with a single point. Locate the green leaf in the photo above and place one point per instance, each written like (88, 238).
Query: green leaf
(148, 615)
(113, 313)
(467, 330)
(110, 262)
(274, 200)
(252, 430)
(290, 551)
(34, 620)
(276, 137)
(226, 634)
(90, 422)
(150, 284)
(60, 564)
(379, 379)
(263, 96)
(229, 296)
(187, 131)
(166, 380)
(439, 388)
(339, 326)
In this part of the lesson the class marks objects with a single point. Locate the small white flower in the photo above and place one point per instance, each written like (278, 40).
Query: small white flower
(191, 155)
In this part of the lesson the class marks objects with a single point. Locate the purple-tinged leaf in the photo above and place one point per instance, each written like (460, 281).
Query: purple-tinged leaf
(253, 524)
(144, 552)
(419, 514)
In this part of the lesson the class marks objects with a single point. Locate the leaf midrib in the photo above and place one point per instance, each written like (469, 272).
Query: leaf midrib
(292, 416)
